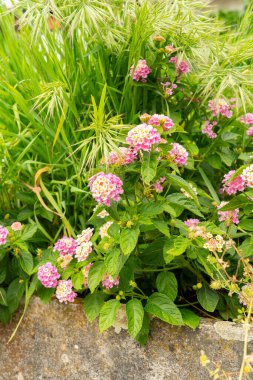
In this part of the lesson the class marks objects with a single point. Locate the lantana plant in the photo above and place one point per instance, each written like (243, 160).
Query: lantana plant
(156, 244)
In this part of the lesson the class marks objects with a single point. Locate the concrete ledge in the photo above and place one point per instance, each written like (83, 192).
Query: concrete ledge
(56, 342)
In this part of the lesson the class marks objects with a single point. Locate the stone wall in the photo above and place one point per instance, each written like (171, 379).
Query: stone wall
(56, 342)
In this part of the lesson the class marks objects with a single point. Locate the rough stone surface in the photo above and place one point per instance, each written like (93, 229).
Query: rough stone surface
(56, 342)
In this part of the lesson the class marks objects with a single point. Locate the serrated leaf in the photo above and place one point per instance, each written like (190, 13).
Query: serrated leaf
(93, 304)
(28, 232)
(135, 314)
(207, 298)
(95, 275)
(26, 261)
(237, 202)
(162, 226)
(108, 314)
(184, 184)
(246, 224)
(151, 208)
(190, 318)
(14, 294)
(166, 283)
(112, 261)
(78, 280)
(129, 239)
(175, 247)
(148, 167)
(142, 336)
(3, 300)
(162, 307)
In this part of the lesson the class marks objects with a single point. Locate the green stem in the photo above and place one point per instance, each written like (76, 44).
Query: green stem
(245, 346)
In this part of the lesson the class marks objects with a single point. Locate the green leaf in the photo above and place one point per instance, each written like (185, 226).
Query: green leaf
(237, 202)
(3, 300)
(246, 224)
(151, 208)
(95, 275)
(78, 280)
(28, 232)
(209, 186)
(26, 262)
(108, 314)
(14, 294)
(45, 294)
(114, 231)
(162, 226)
(177, 199)
(166, 283)
(142, 336)
(207, 298)
(135, 314)
(112, 261)
(175, 247)
(148, 167)
(162, 307)
(129, 239)
(5, 314)
(190, 318)
(184, 184)
(93, 304)
(246, 247)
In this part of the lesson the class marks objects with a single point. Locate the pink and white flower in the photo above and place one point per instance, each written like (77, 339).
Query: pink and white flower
(178, 154)
(105, 188)
(64, 292)
(16, 226)
(124, 156)
(48, 275)
(208, 129)
(65, 246)
(220, 107)
(229, 217)
(3, 235)
(103, 231)
(143, 137)
(141, 71)
(109, 282)
(233, 186)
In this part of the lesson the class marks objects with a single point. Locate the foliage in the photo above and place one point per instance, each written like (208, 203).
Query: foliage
(69, 104)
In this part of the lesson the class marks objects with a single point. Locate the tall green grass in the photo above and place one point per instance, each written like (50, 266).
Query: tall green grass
(66, 97)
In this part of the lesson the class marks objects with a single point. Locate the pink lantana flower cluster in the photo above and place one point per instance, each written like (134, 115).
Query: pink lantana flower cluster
(105, 188)
(124, 156)
(161, 120)
(157, 186)
(208, 129)
(109, 282)
(141, 71)
(143, 137)
(178, 154)
(3, 235)
(221, 107)
(64, 292)
(247, 176)
(16, 226)
(84, 247)
(168, 88)
(248, 120)
(191, 223)
(103, 231)
(48, 275)
(65, 246)
(233, 186)
(182, 67)
(229, 217)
